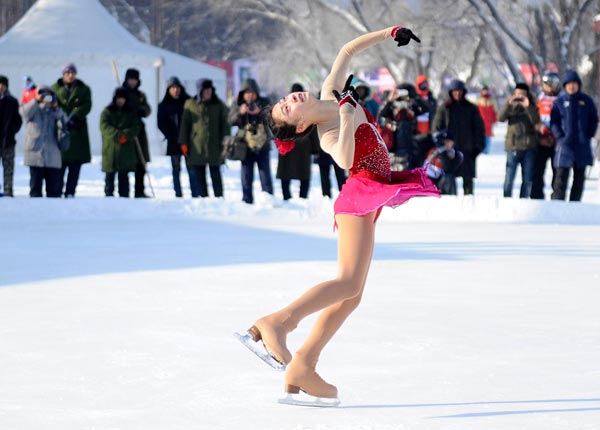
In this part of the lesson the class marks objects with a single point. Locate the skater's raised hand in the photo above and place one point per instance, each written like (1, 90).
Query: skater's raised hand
(348, 95)
(403, 35)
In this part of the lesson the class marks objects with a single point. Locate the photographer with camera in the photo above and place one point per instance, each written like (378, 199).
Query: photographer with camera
(520, 110)
(443, 161)
(399, 115)
(45, 139)
(247, 114)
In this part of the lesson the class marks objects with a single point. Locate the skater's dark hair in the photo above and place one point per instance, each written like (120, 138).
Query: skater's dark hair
(284, 131)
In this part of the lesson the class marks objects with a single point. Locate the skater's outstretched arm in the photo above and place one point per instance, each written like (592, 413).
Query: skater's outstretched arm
(339, 142)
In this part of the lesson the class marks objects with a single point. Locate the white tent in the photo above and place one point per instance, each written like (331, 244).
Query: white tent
(55, 32)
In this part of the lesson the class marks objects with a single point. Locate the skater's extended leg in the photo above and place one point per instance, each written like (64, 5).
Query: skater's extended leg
(355, 247)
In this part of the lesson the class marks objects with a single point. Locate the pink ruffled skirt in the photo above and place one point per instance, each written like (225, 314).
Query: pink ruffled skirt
(365, 192)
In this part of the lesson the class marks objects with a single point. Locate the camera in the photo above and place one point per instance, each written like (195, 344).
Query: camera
(251, 106)
(518, 99)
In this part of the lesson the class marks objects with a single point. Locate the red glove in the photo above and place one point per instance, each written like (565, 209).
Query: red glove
(348, 94)
(184, 149)
(403, 35)
(122, 139)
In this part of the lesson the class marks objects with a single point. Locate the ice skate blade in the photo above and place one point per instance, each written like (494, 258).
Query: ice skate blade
(303, 399)
(259, 350)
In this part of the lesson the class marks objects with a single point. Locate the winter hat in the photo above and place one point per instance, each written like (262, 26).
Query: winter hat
(29, 84)
(457, 85)
(522, 86)
(571, 76)
(202, 84)
(70, 67)
(297, 88)
(132, 74)
(421, 81)
(174, 80)
(120, 92)
(4, 80)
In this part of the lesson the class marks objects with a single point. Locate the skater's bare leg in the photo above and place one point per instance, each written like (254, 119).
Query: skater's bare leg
(301, 371)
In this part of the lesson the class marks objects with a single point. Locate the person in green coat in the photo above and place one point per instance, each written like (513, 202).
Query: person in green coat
(139, 103)
(75, 99)
(119, 125)
(203, 126)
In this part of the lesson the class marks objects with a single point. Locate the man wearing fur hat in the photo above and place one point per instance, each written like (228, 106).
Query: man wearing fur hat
(168, 118)
(75, 99)
(10, 123)
(203, 127)
(573, 120)
(139, 102)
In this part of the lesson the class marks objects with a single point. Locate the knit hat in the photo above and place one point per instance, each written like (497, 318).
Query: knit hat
(70, 67)
(522, 86)
(202, 84)
(4, 80)
(174, 80)
(132, 74)
(120, 92)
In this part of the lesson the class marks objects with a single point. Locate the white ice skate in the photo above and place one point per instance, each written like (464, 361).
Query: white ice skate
(259, 349)
(303, 399)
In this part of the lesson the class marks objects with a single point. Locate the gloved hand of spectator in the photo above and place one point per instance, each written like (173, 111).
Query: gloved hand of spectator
(403, 35)
(348, 95)
(184, 149)
(122, 139)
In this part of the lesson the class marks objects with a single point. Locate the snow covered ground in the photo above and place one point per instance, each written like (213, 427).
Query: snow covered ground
(480, 313)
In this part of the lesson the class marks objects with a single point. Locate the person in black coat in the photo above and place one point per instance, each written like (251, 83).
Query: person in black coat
(296, 164)
(170, 111)
(139, 102)
(462, 118)
(10, 123)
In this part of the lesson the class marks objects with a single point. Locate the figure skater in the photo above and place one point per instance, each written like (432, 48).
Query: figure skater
(349, 134)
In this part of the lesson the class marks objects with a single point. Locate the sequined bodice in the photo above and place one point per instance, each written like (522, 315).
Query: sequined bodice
(370, 153)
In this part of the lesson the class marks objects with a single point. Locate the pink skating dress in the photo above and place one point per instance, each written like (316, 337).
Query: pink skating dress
(372, 184)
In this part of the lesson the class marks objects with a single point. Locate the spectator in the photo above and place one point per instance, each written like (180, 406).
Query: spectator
(399, 115)
(423, 139)
(139, 103)
(574, 120)
(29, 90)
(10, 124)
(248, 115)
(546, 141)
(119, 125)
(169, 115)
(520, 110)
(325, 162)
(296, 164)
(365, 98)
(463, 120)
(75, 99)
(442, 163)
(203, 127)
(489, 114)
(43, 146)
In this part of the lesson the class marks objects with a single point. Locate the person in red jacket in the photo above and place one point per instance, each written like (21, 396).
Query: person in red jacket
(489, 113)
(29, 90)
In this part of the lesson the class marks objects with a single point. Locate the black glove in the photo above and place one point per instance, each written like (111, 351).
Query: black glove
(403, 35)
(348, 95)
